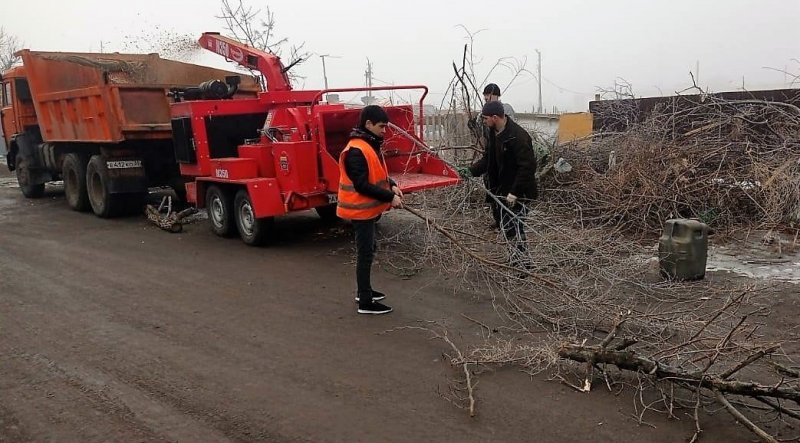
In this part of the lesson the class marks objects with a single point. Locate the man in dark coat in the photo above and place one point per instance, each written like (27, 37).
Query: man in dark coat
(509, 164)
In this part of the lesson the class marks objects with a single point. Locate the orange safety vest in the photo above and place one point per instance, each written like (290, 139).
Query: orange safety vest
(355, 206)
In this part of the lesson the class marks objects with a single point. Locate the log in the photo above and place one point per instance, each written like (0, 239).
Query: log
(629, 360)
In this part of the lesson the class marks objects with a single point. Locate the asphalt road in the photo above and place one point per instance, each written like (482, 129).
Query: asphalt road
(112, 330)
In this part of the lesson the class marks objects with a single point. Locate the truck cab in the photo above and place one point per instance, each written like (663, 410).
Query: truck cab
(20, 130)
(17, 112)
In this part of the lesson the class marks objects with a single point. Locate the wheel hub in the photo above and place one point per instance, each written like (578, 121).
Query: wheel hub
(217, 211)
(247, 219)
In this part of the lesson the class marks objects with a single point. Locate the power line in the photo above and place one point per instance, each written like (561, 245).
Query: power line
(565, 89)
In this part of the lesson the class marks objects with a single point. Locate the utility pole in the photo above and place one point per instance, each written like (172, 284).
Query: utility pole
(367, 99)
(324, 71)
(368, 75)
(539, 78)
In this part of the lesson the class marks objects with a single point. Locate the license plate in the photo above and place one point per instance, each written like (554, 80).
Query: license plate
(123, 164)
(333, 198)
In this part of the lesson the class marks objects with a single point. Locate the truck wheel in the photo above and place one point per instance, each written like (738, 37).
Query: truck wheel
(30, 190)
(103, 203)
(73, 170)
(220, 211)
(327, 213)
(254, 231)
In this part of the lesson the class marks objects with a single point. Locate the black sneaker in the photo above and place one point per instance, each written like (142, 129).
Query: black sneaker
(376, 296)
(375, 308)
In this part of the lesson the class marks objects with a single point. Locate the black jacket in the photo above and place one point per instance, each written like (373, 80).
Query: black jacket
(509, 162)
(355, 165)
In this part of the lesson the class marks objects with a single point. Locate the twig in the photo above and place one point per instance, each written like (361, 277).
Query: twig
(778, 407)
(488, 329)
(756, 356)
(463, 362)
(743, 420)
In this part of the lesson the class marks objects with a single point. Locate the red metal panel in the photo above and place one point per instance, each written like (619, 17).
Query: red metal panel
(330, 173)
(266, 197)
(262, 154)
(234, 168)
(191, 193)
(264, 193)
(296, 166)
(411, 182)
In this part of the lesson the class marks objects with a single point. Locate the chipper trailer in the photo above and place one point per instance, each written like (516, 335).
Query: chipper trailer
(253, 159)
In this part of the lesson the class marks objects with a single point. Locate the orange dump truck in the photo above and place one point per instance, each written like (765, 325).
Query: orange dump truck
(101, 123)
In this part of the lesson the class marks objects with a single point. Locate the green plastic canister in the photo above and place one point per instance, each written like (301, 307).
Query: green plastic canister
(683, 249)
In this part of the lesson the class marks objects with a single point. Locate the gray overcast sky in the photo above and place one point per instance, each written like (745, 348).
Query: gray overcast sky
(584, 43)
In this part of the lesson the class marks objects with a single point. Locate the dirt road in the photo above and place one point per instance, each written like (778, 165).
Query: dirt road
(111, 330)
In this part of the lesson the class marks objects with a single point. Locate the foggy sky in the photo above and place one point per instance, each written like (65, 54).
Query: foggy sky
(585, 44)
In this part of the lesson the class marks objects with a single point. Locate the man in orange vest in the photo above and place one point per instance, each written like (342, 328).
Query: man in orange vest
(366, 192)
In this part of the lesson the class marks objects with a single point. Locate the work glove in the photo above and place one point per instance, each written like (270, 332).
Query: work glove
(464, 172)
(511, 199)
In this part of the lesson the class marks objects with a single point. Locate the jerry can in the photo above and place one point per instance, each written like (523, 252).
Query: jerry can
(683, 249)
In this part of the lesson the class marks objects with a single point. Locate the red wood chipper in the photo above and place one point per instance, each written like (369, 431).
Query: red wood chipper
(252, 159)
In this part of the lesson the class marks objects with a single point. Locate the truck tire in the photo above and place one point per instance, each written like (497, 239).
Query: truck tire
(327, 213)
(29, 190)
(220, 211)
(253, 231)
(73, 171)
(103, 203)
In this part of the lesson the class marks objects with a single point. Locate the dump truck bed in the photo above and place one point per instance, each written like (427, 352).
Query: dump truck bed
(110, 98)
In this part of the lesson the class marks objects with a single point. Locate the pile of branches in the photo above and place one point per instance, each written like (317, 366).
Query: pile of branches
(591, 306)
(730, 163)
(588, 304)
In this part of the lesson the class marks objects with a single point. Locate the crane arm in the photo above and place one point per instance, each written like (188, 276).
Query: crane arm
(267, 64)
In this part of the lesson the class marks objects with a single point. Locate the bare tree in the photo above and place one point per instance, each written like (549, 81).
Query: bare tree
(9, 44)
(257, 28)
(622, 89)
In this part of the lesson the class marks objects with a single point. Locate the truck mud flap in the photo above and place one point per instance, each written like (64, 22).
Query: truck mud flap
(126, 175)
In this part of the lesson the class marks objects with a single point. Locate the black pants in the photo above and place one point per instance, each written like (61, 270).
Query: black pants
(509, 219)
(366, 245)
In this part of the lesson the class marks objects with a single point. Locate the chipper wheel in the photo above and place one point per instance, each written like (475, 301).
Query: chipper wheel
(254, 231)
(220, 211)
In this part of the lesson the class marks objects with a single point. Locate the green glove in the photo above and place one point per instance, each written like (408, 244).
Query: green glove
(464, 172)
